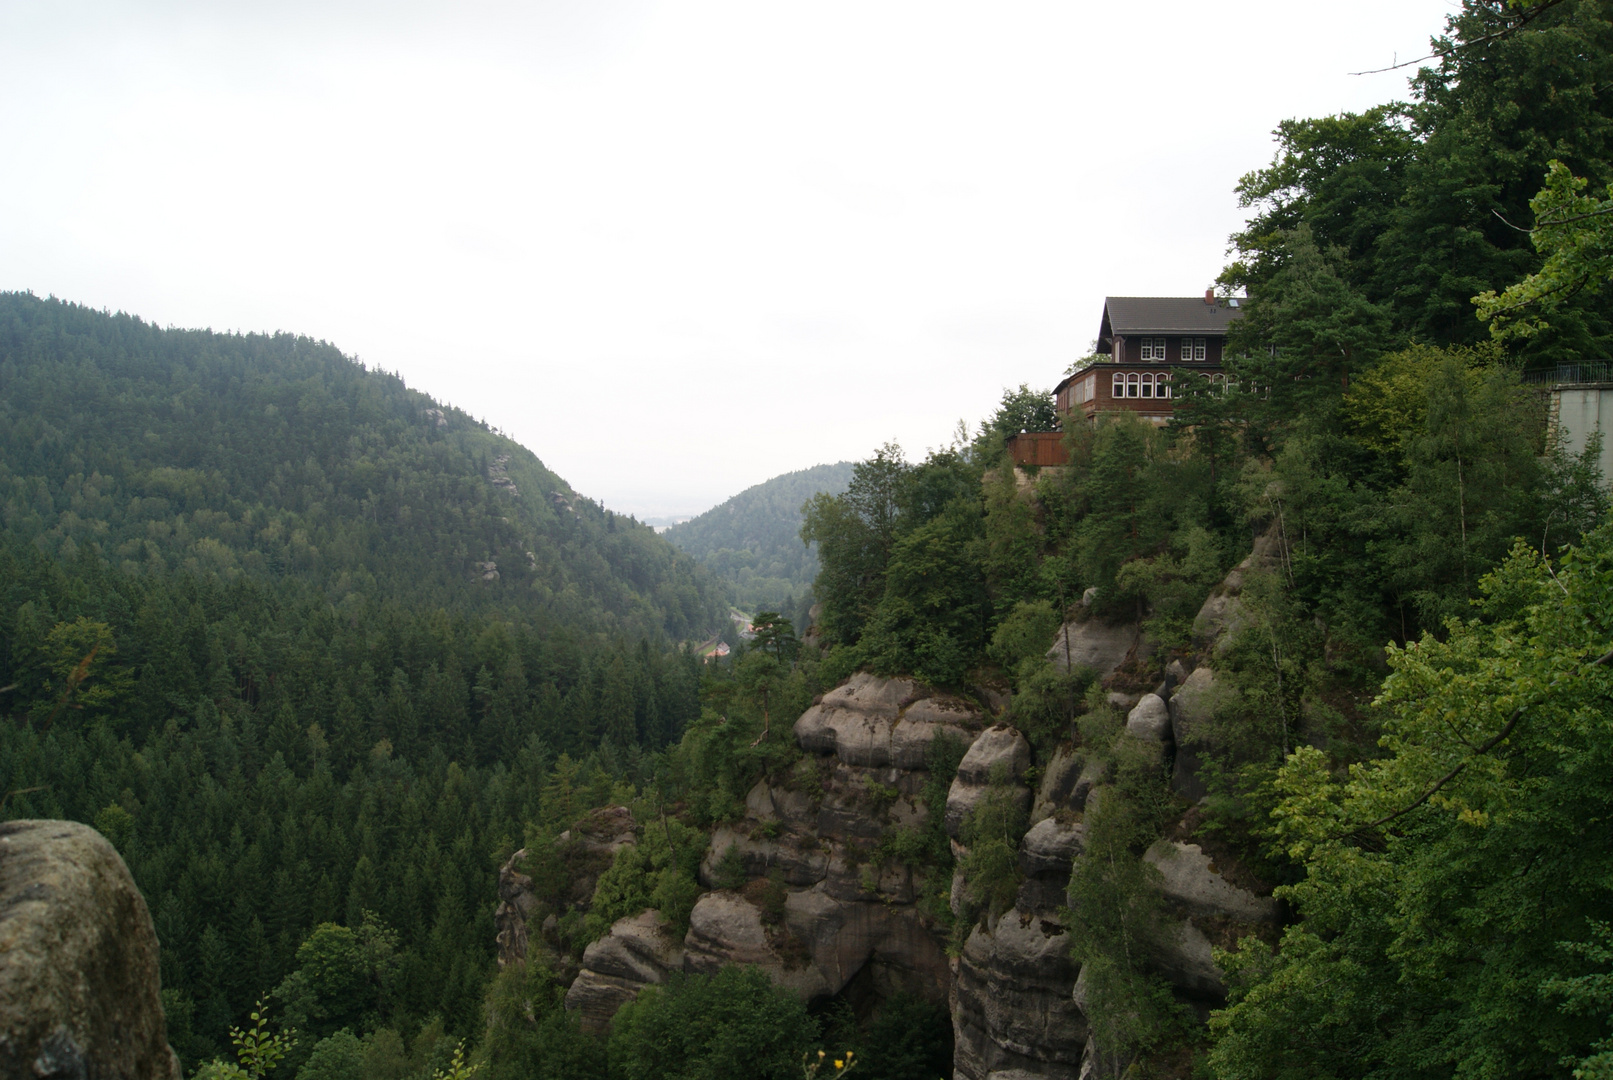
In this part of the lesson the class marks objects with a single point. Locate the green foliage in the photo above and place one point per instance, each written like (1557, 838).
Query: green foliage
(1046, 701)
(335, 1057)
(1452, 887)
(992, 832)
(1024, 634)
(1121, 926)
(753, 540)
(1023, 409)
(659, 871)
(343, 977)
(734, 1024)
(257, 1050)
(1575, 234)
(1415, 206)
(264, 457)
(854, 532)
(530, 1036)
(908, 1038)
(730, 873)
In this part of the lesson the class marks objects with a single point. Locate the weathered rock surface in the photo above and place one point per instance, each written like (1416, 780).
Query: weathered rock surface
(1098, 645)
(1057, 789)
(516, 904)
(1203, 896)
(1223, 614)
(1189, 965)
(79, 985)
(1192, 708)
(639, 951)
(999, 748)
(1014, 1010)
(872, 722)
(815, 833)
(1191, 880)
(1046, 855)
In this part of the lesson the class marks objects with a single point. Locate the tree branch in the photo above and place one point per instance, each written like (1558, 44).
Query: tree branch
(1490, 744)
(1522, 22)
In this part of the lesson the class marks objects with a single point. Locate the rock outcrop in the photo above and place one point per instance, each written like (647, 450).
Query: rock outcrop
(1013, 1008)
(639, 951)
(871, 722)
(1224, 614)
(585, 851)
(1101, 646)
(999, 751)
(802, 885)
(79, 987)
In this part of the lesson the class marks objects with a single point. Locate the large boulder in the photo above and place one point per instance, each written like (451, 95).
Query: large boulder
(1099, 645)
(1013, 1009)
(822, 942)
(79, 986)
(873, 722)
(1207, 900)
(999, 749)
(1150, 720)
(639, 951)
(843, 937)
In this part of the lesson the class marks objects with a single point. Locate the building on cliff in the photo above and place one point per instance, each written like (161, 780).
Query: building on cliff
(1146, 347)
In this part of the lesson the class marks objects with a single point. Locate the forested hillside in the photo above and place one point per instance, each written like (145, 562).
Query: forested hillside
(753, 541)
(318, 734)
(251, 628)
(277, 456)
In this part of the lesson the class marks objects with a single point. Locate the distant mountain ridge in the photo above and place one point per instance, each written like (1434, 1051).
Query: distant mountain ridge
(753, 540)
(277, 455)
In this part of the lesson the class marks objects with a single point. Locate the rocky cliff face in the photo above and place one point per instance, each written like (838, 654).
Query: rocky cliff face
(79, 990)
(825, 910)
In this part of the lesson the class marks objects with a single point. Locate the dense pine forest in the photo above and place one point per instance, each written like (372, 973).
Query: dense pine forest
(319, 654)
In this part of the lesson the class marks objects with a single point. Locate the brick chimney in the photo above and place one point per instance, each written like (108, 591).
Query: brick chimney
(1209, 296)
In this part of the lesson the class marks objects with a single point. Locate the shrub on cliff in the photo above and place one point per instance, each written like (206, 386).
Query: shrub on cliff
(734, 1024)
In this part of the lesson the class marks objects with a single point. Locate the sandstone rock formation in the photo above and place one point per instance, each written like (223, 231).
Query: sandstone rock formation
(871, 722)
(79, 988)
(639, 951)
(1223, 614)
(1013, 1009)
(1098, 645)
(586, 851)
(1000, 750)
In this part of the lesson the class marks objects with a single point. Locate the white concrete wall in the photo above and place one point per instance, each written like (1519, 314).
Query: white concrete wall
(1581, 412)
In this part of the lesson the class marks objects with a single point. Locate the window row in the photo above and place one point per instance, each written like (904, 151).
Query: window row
(1142, 385)
(1153, 348)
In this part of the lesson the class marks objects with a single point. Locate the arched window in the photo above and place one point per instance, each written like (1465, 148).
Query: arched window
(1148, 385)
(1162, 385)
(1133, 384)
(1119, 390)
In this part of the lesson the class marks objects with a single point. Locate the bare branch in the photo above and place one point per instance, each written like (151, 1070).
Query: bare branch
(1522, 22)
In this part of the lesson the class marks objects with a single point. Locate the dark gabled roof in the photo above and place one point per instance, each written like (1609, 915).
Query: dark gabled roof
(1166, 315)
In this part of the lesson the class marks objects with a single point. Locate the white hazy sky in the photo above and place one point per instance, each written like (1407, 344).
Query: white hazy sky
(674, 248)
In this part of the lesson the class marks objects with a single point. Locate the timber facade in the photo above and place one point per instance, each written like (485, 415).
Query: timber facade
(1147, 349)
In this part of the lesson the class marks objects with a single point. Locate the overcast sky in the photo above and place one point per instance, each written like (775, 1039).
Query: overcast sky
(673, 248)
